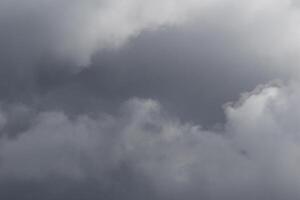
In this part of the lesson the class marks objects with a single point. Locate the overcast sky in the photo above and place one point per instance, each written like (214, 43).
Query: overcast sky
(158, 100)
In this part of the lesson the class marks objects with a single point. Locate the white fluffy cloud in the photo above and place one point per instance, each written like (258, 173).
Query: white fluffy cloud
(256, 156)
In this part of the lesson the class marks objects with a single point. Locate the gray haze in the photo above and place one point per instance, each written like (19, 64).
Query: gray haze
(136, 99)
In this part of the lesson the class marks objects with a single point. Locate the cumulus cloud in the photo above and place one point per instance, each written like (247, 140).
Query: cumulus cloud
(254, 156)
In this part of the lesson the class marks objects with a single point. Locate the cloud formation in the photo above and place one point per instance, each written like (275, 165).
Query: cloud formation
(239, 43)
(74, 31)
(255, 156)
(77, 136)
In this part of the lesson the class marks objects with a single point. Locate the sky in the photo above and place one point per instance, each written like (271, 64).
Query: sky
(158, 100)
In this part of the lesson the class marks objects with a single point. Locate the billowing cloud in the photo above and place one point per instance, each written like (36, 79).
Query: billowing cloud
(128, 125)
(254, 156)
(240, 43)
(74, 30)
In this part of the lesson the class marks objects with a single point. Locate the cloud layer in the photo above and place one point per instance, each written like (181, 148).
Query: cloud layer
(74, 30)
(129, 124)
(254, 156)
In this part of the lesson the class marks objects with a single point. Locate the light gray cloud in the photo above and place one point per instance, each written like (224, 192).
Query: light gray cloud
(255, 156)
(74, 30)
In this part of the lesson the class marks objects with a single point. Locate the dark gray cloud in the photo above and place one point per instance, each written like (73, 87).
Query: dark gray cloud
(221, 50)
(161, 65)
(125, 99)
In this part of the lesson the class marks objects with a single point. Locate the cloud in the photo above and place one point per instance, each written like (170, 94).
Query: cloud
(212, 42)
(74, 31)
(227, 40)
(255, 155)
(62, 137)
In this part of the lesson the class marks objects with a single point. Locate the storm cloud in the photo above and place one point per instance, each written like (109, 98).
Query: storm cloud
(132, 99)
